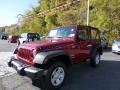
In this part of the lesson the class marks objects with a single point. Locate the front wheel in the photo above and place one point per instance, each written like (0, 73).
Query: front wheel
(55, 76)
(95, 61)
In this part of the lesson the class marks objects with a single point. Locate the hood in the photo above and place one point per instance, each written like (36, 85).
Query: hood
(50, 43)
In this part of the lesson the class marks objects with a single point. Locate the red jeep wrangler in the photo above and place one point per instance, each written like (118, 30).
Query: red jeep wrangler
(50, 57)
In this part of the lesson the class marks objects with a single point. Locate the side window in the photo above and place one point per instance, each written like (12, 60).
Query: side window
(94, 34)
(82, 34)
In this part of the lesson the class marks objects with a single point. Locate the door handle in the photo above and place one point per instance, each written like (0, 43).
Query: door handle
(74, 47)
(89, 45)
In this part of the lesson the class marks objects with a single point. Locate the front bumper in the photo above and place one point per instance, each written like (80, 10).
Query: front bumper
(25, 69)
(116, 51)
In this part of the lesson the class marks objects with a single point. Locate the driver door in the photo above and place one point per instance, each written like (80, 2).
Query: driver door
(83, 44)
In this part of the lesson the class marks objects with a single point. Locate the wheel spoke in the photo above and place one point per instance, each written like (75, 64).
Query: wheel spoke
(58, 81)
(59, 71)
(97, 59)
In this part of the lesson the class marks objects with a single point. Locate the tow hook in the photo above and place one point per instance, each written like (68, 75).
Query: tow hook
(20, 71)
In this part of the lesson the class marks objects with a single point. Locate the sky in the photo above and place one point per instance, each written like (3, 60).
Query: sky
(9, 9)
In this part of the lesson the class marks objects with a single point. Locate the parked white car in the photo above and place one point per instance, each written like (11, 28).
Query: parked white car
(116, 46)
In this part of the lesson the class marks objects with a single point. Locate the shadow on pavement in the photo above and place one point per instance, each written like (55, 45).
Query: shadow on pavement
(109, 49)
(83, 77)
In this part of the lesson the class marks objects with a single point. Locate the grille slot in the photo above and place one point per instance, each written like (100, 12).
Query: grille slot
(25, 54)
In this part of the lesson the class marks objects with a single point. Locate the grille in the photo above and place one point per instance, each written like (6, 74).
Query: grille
(25, 54)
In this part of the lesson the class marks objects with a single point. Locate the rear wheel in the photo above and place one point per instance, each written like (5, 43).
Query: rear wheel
(95, 61)
(55, 76)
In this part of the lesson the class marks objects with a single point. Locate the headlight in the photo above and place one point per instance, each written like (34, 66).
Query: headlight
(34, 53)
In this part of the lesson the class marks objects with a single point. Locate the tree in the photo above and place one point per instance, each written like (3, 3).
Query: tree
(104, 14)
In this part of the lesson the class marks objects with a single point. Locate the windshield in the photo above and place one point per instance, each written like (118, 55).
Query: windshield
(61, 32)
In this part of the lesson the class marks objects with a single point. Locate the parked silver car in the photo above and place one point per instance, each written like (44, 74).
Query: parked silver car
(116, 46)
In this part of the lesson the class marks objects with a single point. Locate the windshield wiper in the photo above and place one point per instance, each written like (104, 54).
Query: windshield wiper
(59, 37)
(50, 37)
(55, 37)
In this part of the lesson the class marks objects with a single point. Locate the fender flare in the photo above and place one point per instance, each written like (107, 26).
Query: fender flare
(43, 56)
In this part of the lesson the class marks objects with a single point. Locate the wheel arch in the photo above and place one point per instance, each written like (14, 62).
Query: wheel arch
(60, 58)
(50, 57)
(94, 50)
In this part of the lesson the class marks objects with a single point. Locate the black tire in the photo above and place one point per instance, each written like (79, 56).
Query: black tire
(23, 42)
(95, 61)
(48, 76)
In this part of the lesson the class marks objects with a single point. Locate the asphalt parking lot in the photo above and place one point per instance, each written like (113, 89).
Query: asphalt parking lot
(6, 47)
(80, 77)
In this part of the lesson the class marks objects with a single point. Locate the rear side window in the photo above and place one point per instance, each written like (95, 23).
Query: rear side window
(83, 33)
(94, 34)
